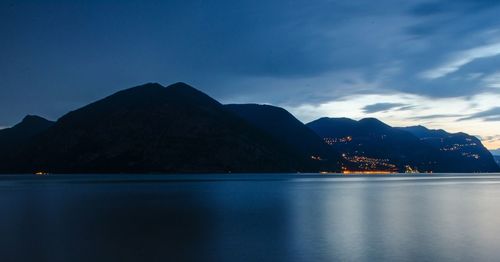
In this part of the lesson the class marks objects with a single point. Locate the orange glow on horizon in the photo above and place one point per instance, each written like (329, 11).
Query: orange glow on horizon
(491, 145)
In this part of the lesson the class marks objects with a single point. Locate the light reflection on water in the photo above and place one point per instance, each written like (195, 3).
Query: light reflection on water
(250, 218)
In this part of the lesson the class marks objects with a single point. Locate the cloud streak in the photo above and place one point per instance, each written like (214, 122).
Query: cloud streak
(436, 116)
(381, 107)
(459, 59)
(492, 114)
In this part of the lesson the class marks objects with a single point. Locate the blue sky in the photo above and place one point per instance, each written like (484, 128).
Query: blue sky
(435, 63)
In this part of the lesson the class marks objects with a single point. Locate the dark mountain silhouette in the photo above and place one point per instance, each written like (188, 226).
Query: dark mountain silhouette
(370, 144)
(460, 152)
(151, 128)
(287, 129)
(29, 127)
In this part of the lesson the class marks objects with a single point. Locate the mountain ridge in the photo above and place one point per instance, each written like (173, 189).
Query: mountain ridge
(371, 144)
(459, 149)
(30, 125)
(283, 126)
(152, 128)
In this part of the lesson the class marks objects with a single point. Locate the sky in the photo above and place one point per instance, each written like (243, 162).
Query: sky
(429, 62)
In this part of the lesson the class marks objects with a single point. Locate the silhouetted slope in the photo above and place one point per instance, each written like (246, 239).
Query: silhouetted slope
(462, 152)
(370, 144)
(151, 128)
(23, 131)
(287, 129)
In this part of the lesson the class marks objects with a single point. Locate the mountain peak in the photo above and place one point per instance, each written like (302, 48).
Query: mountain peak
(424, 132)
(421, 127)
(150, 85)
(180, 85)
(32, 118)
(190, 94)
(373, 122)
(183, 88)
(30, 126)
(336, 119)
(153, 84)
(262, 107)
(148, 89)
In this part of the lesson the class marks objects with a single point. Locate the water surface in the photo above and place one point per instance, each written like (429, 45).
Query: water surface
(249, 218)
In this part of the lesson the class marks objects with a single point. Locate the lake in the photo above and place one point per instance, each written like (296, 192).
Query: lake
(250, 218)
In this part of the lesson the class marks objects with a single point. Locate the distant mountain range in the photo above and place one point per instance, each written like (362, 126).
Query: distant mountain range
(369, 144)
(156, 129)
(497, 159)
(496, 155)
(461, 152)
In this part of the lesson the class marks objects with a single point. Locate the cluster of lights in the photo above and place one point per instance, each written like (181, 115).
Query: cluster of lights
(409, 169)
(333, 140)
(466, 154)
(455, 147)
(316, 158)
(367, 163)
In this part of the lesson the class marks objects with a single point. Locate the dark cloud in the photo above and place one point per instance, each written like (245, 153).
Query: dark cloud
(449, 6)
(381, 107)
(428, 8)
(58, 55)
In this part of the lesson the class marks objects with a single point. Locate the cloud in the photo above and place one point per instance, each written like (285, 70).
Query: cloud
(492, 114)
(319, 58)
(381, 107)
(436, 116)
(428, 8)
(493, 141)
(492, 80)
(406, 108)
(437, 7)
(459, 59)
(493, 119)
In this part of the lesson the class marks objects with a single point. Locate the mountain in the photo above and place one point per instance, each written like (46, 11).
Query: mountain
(462, 152)
(178, 129)
(370, 144)
(496, 155)
(151, 128)
(495, 152)
(19, 134)
(284, 127)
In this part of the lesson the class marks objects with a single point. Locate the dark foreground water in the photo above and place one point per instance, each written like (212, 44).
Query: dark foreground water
(250, 218)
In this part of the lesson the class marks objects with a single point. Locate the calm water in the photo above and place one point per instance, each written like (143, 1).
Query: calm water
(250, 218)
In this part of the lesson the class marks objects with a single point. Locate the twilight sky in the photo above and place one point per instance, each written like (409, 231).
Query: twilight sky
(430, 62)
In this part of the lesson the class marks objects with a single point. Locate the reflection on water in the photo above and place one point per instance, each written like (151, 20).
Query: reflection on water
(249, 218)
